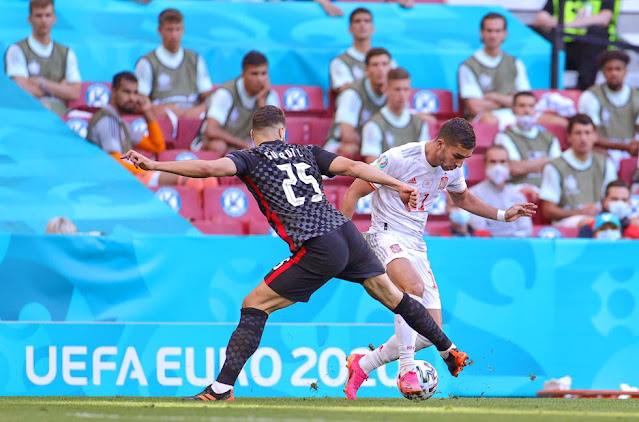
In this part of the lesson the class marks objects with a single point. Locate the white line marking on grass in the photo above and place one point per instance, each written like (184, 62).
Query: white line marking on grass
(88, 415)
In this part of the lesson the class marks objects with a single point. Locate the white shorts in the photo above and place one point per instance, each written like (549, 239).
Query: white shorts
(388, 246)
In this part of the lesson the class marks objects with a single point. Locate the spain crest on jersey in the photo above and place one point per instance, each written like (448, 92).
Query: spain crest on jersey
(442, 183)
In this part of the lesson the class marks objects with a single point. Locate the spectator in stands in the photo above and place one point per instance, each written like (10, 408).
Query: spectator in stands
(460, 223)
(607, 227)
(174, 78)
(357, 104)
(61, 225)
(496, 192)
(573, 184)
(350, 66)
(44, 68)
(108, 130)
(614, 107)
(394, 124)
(231, 107)
(596, 18)
(490, 77)
(617, 202)
(529, 145)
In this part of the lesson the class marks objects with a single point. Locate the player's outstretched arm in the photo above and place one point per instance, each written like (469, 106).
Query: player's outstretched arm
(188, 168)
(345, 167)
(471, 203)
(357, 190)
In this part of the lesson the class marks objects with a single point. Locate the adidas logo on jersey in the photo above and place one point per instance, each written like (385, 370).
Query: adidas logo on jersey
(413, 181)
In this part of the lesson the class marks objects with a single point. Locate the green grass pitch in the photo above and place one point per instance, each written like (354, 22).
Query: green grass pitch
(160, 409)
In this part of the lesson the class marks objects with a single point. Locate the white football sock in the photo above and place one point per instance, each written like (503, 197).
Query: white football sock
(388, 352)
(219, 388)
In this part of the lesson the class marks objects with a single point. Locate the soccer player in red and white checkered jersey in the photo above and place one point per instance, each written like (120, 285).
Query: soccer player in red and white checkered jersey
(286, 180)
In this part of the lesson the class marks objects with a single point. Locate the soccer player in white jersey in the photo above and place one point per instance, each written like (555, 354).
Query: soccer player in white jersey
(397, 236)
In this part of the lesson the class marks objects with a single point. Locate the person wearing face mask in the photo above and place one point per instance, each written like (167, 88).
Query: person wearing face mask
(497, 192)
(607, 227)
(530, 147)
(614, 107)
(573, 185)
(617, 202)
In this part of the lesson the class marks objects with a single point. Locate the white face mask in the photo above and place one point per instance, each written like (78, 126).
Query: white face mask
(620, 208)
(526, 123)
(459, 216)
(498, 173)
(608, 234)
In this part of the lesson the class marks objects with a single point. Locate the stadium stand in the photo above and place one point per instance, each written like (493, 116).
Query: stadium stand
(182, 199)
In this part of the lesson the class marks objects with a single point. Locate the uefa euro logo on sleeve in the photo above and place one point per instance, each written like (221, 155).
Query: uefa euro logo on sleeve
(97, 95)
(426, 101)
(79, 126)
(139, 126)
(295, 99)
(169, 196)
(234, 202)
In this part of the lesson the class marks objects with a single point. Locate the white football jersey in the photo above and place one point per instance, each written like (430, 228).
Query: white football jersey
(408, 163)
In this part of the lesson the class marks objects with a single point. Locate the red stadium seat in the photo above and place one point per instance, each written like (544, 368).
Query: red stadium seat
(222, 203)
(485, 134)
(260, 227)
(182, 199)
(627, 168)
(362, 224)
(229, 181)
(474, 169)
(560, 134)
(437, 227)
(334, 194)
(301, 99)
(307, 130)
(185, 154)
(94, 95)
(187, 130)
(147, 154)
(230, 227)
(438, 102)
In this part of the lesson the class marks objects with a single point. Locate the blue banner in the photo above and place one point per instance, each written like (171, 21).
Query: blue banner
(151, 315)
(299, 39)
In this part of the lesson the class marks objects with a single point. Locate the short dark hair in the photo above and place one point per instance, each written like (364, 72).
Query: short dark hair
(523, 94)
(268, 116)
(119, 77)
(495, 147)
(357, 12)
(582, 119)
(170, 16)
(458, 131)
(616, 184)
(376, 52)
(609, 55)
(253, 58)
(493, 15)
(398, 74)
(39, 4)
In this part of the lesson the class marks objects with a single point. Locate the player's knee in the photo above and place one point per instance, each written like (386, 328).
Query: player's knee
(416, 288)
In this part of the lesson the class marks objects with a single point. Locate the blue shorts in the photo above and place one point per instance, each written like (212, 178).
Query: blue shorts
(342, 253)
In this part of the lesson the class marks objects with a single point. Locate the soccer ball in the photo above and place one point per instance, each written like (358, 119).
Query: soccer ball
(428, 380)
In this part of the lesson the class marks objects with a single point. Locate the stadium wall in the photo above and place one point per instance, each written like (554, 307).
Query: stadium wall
(149, 315)
(430, 40)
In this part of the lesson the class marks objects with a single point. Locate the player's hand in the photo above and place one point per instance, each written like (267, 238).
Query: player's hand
(332, 10)
(409, 195)
(139, 160)
(526, 209)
